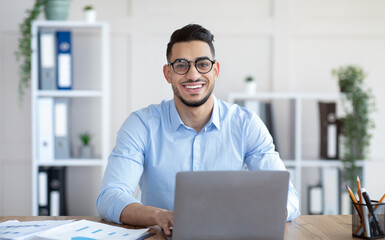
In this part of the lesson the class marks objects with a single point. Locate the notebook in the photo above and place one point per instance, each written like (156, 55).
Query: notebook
(230, 205)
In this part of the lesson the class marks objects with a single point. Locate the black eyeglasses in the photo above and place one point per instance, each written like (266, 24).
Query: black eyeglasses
(202, 65)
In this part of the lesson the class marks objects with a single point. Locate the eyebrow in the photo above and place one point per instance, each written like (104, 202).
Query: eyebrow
(196, 59)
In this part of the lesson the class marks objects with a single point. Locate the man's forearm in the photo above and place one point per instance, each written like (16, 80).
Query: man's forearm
(141, 215)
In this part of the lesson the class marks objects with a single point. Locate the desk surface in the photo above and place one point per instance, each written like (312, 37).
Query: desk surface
(304, 227)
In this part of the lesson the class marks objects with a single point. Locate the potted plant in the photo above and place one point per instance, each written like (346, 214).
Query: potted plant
(89, 13)
(358, 104)
(85, 150)
(251, 85)
(56, 9)
(24, 51)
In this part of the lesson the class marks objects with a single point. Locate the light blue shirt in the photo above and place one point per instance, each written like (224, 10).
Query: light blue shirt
(154, 144)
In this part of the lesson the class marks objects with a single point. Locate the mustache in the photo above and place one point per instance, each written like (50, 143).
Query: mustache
(195, 81)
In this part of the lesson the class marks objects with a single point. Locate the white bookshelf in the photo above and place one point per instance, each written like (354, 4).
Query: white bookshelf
(86, 93)
(298, 162)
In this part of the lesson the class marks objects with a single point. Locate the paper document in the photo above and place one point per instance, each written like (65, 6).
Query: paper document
(84, 229)
(15, 230)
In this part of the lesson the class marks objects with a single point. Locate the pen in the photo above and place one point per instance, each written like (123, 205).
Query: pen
(371, 210)
(365, 217)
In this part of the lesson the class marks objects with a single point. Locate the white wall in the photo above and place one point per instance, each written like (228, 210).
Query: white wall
(288, 45)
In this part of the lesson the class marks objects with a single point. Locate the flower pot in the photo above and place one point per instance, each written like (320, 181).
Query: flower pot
(56, 9)
(86, 151)
(251, 87)
(89, 15)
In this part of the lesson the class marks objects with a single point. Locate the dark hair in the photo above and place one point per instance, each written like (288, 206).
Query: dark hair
(188, 33)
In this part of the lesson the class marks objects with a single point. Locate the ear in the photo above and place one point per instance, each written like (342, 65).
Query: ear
(216, 70)
(167, 73)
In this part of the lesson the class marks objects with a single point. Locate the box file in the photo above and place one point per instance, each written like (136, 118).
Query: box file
(45, 128)
(331, 190)
(329, 144)
(43, 200)
(57, 193)
(64, 60)
(47, 60)
(61, 118)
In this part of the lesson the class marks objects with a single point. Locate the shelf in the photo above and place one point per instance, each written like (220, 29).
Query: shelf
(326, 163)
(69, 93)
(70, 24)
(284, 95)
(298, 164)
(318, 163)
(72, 162)
(89, 104)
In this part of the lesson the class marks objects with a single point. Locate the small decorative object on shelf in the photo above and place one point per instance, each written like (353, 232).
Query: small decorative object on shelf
(251, 85)
(86, 150)
(56, 9)
(89, 13)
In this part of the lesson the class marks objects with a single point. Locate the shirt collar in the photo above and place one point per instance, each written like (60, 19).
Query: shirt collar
(215, 115)
(176, 121)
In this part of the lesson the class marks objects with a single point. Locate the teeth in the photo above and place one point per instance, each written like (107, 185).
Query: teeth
(194, 87)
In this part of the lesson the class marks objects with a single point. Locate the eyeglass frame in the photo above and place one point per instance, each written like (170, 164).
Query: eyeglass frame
(189, 64)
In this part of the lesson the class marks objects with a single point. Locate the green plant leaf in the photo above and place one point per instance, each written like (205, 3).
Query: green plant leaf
(358, 104)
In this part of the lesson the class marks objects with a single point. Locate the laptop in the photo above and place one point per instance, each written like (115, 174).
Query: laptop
(230, 205)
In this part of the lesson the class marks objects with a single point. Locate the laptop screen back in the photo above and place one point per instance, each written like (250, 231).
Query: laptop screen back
(230, 205)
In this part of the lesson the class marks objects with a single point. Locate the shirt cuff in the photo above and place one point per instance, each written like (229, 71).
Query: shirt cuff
(120, 203)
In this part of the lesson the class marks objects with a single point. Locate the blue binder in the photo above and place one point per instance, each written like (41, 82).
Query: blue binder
(64, 60)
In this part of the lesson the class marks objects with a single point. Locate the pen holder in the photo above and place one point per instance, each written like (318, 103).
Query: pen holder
(365, 225)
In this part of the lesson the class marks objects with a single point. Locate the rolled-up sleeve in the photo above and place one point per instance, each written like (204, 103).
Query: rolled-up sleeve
(261, 155)
(124, 170)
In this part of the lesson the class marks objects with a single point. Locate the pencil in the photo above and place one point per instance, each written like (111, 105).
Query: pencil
(360, 207)
(356, 207)
(354, 201)
(351, 194)
(359, 189)
(380, 201)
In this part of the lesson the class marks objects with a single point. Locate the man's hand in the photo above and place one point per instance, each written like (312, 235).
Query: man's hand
(140, 215)
(165, 219)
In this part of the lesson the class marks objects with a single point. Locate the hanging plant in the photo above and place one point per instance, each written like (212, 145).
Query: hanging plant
(24, 52)
(358, 104)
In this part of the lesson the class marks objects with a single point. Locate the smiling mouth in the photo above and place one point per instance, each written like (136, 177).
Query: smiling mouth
(194, 86)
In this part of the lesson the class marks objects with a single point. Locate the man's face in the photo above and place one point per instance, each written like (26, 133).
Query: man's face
(193, 89)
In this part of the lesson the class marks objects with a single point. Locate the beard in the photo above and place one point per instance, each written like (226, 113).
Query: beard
(194, 103)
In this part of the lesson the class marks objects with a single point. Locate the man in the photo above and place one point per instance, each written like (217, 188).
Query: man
(192, 132)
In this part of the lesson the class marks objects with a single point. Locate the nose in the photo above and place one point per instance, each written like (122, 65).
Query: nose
(193, 73)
